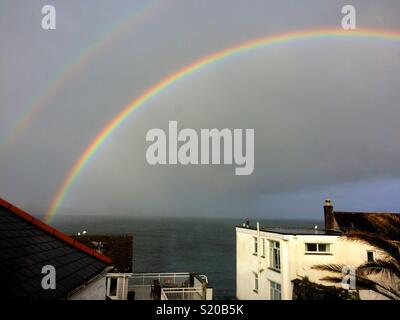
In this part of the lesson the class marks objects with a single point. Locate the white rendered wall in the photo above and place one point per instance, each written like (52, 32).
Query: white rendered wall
(295, 263)
(95, 290)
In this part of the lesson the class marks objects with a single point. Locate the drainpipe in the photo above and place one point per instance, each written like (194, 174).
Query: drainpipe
(258, 249)
(123, 288)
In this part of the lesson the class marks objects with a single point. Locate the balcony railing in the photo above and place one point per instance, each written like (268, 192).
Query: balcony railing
(182, 293)
(165, 279)
(167, 286)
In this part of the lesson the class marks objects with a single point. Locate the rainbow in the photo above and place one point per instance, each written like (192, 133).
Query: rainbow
(197, 65)
(54, 86)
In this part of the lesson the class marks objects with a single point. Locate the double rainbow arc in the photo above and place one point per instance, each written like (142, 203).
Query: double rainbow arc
(57, 82)
(190, 69)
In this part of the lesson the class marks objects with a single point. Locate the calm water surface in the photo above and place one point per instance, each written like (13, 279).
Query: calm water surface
(202, 245)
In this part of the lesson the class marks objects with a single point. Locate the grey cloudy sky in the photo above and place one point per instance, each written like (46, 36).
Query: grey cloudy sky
(325, 111)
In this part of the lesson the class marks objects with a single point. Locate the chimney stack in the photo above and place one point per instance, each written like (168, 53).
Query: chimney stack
(330, 223)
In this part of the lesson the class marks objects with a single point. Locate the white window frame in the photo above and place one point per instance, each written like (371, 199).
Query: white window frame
(255, 245)
(373, 255)
(318, 251)
(275, 252)
(109, 286)
(263, 247)
(274, 290)
(256, 282)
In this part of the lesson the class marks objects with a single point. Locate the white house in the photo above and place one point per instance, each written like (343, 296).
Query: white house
(269, 259)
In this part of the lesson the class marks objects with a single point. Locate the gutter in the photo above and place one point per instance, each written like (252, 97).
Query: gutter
(88, 282)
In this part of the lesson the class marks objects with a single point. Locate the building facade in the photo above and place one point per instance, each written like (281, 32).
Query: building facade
(268, 260)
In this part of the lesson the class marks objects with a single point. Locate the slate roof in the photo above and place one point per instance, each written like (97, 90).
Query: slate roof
(27, 244)
(345, 221)
(357, 220)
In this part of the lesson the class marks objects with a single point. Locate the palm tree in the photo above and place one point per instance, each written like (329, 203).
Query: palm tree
(381, 231)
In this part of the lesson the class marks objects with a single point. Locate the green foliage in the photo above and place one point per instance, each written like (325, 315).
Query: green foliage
(304, 289)
(381, 231)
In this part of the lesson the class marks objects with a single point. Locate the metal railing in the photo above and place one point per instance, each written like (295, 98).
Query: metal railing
(182, 293)
(177, 279)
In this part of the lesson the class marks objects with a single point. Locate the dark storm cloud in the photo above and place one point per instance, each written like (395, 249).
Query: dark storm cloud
(325, 112)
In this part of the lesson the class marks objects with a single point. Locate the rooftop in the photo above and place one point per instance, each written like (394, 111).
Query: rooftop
(336, 223)
(168, 286)
(292, 231)
(356, 220)
(27, 244)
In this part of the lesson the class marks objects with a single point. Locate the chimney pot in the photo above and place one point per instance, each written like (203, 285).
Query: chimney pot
(329, 216)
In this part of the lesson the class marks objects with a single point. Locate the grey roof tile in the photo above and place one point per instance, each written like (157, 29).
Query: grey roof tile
(25, 249)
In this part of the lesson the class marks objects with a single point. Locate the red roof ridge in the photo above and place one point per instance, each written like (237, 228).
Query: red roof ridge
(58, 234)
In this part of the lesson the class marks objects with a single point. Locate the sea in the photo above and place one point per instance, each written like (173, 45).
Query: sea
(165, 244)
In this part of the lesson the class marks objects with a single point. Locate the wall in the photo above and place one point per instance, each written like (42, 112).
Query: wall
(209, 294)
(246, 265)
(95, 290)
(122, 285)
(295, 263)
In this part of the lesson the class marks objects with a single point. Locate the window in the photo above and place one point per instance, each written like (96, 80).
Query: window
(370, 256)
(316, 248)
(274, 255)
(112, 287)
(275, 291)
(255, 249)
(263, 248)
(256, 282)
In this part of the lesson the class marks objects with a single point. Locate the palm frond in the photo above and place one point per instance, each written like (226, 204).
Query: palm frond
(363, 283)
(386, 224)
(382, 231)
(335, 268)
(389, 247)
(332, 279)
(387, 268)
